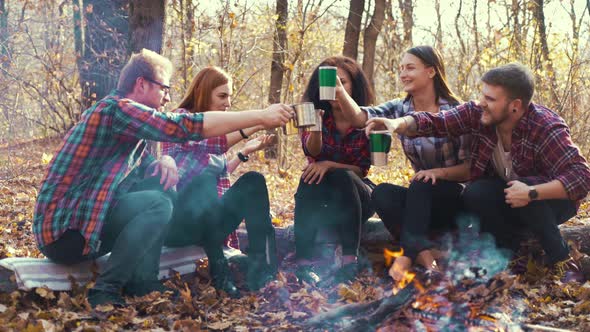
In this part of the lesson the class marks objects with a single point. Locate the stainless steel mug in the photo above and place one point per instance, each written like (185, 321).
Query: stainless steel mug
(305, 114)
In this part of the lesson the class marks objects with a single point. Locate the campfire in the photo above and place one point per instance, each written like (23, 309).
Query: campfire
(432, 301)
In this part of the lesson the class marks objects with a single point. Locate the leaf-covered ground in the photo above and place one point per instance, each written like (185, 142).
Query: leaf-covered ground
(535, 297)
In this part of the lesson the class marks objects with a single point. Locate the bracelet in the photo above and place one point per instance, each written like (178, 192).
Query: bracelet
(243, 157)
(244, 136)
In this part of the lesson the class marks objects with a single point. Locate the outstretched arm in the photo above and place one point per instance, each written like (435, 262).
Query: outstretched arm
(352, 112)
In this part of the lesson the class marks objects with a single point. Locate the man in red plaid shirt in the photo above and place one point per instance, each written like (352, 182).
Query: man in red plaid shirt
(99, 193)
(526, 172)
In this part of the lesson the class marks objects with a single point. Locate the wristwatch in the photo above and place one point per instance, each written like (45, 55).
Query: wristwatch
(533, 194)
(243, 157)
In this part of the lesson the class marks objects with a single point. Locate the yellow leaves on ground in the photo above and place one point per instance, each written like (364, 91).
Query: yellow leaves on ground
(46, 158)
(45, 293)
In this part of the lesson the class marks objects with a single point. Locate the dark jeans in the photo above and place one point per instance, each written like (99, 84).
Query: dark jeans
(340, 199)
(133, 232)
(485, 198)
(201, 218)
(411, 213)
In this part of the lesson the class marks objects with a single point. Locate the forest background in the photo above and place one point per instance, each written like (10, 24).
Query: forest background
(58, 56)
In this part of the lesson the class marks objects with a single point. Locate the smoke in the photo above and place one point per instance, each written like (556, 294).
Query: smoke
(473, 254)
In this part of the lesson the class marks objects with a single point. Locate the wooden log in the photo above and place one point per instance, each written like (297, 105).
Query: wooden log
(365, 316)
(374, 234)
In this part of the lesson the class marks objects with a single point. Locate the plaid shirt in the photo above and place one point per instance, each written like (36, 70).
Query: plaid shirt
(542, 149)
(193, 157)
(95, 156)
(448, 151)
(351, 148)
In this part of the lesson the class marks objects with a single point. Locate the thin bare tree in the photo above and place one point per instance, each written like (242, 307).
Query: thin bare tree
(438, 38)
(353, 28)
(278, 53)
(370, 39)
(277, 67)
(4, 35)
(407, 9)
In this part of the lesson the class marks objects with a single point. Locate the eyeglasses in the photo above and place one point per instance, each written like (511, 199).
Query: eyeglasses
(163, 86)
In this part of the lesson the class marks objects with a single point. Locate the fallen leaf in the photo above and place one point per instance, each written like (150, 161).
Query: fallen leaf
(219, 325)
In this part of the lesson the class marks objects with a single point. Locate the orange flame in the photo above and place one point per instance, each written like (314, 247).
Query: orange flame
(408, 277)
(390, 255)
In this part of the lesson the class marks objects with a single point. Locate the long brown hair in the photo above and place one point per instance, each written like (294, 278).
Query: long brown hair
(198, 95)
(431, 57)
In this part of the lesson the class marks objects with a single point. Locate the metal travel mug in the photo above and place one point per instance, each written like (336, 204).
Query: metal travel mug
(328, 75)
(380, 142)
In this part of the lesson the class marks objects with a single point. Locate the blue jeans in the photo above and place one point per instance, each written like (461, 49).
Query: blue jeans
(133, 231)
(485, 199)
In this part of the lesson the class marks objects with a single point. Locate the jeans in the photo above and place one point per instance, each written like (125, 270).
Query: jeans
(341, 199)
(485, 199)
(133, 232)
(411, 213)
(201, 218)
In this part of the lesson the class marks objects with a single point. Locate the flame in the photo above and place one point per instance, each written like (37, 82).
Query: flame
(408, 277)
(390, 255)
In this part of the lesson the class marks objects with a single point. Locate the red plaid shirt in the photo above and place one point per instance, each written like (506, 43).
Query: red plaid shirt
(351, 148)
(94, 158)
(542, 149)
(192, 158)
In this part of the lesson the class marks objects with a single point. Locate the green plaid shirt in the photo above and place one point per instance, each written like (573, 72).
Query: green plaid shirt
(95, 156)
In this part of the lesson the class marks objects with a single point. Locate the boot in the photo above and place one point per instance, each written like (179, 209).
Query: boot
(222, 279)
(97, 297)
(260, 272)
(142, 288)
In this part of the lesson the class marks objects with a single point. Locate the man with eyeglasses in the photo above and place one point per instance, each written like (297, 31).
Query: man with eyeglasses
(101, 193)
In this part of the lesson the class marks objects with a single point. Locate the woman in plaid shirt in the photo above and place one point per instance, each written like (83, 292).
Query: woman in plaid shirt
(333, 189)
(441, 163)
(204, 176)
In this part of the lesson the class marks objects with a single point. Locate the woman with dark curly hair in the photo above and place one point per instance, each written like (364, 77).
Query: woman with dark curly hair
(333, 189)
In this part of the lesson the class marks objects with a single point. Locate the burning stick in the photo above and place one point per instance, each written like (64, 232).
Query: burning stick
(366, 315)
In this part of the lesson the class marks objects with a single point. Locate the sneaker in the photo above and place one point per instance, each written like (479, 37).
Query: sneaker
(143, 288)
(98, 297)
(259, 272)
(222, 279)
(306, 273)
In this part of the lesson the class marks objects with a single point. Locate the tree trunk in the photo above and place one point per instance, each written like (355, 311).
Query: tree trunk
(101, 40)
(353, 28)
(407, 8)
(278, 61)
(370, 39)
(4, 35)
(375, 237)
(146, 25)
(539, 14)
(438, 38)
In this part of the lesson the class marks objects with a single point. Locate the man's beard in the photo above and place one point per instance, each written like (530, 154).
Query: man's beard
(497, 121)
